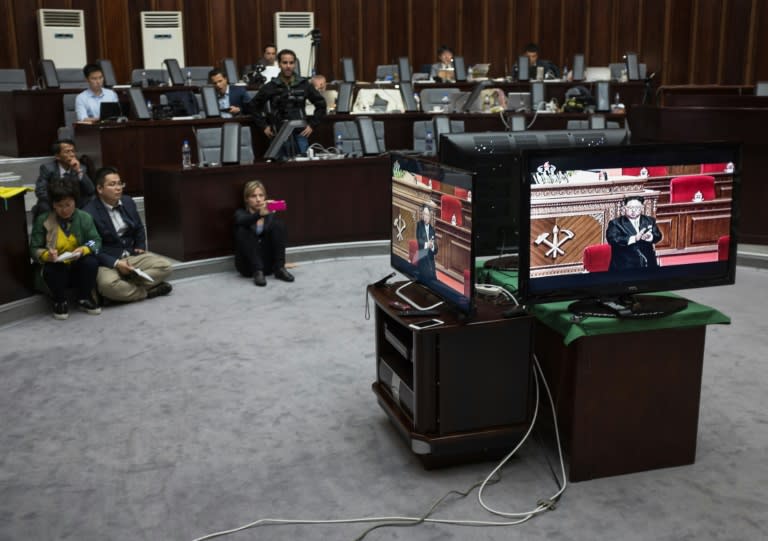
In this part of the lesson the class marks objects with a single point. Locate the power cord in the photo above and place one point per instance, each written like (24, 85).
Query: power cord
(542, 505)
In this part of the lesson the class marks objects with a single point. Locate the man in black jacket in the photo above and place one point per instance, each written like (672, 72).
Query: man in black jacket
(286, 96)
(64, 165)
(632, 237)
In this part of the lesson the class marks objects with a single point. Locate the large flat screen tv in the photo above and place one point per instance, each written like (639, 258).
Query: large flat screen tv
(494, 157)
(605, 224)
(432, 218)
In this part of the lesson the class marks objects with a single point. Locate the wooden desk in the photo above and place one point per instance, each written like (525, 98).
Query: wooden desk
(743, 125)
(15, 267)
(189, 212)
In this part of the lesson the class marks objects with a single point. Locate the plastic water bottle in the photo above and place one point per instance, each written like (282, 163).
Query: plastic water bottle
(487, 103)
(428, 143)
(445, 101)
(340, 142)
(189, 78)
(186, 155)
(564, 75)
(417, 99)
(144, 81)
(149, 108)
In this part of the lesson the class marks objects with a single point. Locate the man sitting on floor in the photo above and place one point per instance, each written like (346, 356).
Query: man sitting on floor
(127, 272)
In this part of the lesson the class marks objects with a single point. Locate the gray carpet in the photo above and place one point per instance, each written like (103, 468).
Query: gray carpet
(224, 403)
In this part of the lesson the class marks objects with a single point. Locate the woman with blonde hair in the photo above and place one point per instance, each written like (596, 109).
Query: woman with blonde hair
(260, 237)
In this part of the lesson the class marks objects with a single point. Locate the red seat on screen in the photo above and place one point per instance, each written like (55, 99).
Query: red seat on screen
(461, 193)
(450, 206)
(653, 171)
(683, 189)
(597, 258)
(413, 250)
(723, 247)
(713, 167)
(467, 284)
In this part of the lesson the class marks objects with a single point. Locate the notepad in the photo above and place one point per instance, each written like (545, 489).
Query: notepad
(143, 274)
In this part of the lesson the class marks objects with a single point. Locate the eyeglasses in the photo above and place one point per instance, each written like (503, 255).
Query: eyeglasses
(634, 208)
(114, 185)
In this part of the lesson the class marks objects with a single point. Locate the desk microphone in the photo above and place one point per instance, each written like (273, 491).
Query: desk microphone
(383, 281)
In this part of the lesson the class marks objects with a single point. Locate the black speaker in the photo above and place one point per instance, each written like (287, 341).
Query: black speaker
(522, 68)
(230, 143)
(367, 135)
(344, 99)
(210, 101)
(578, 67)
(603, 96)
(48, 71)
(460, 69)
(108, 72)
(174, 70)
(139, 108)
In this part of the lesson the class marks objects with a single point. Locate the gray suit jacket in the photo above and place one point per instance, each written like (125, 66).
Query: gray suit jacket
(50, 171)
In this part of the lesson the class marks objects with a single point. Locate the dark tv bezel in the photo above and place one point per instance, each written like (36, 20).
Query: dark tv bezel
(281, 137)
(612, 284)
(435, 171)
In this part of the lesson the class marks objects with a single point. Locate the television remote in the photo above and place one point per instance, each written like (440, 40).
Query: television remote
(411, 313)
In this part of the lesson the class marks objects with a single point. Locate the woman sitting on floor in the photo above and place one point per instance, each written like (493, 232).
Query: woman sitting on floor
(64, 242)
(259, 237)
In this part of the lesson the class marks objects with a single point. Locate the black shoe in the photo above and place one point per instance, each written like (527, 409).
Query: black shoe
(60, 310)
(258, 278)
(163, 288)
(89, 307)
(284, 275)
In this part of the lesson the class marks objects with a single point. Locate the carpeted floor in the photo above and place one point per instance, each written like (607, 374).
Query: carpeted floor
(225, 403)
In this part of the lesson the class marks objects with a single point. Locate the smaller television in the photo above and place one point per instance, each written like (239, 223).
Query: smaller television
(432, 218)
(281, 139)
(607, 226)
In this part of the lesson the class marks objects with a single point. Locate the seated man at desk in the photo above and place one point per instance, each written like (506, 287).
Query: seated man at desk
(88, 102)
(231, 98)
(64, 165)
(442, 70)
(287, 95)
(632, 237)
(320, 83)
(551, 71)
(127, 271)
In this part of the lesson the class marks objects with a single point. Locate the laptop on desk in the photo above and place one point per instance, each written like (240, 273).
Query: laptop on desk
(519, 101)
(110, 111)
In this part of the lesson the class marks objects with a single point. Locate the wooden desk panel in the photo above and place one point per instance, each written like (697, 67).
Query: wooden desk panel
(30, 119)
(692, 227)
(15, 266)
(189, 212)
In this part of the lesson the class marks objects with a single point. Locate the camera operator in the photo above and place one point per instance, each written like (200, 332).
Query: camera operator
(286, 96)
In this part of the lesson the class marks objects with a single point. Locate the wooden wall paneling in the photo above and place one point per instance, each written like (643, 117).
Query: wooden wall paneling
(423, 42)
(573, 30)
(198, 34)
(450, 27)
(374, 38)
(761, 37)
(600, 34)
(524, 29)
(628, 24)
(500, 52)
(705, 40)
(27, 41)
(93, 29)
(400, 27)
(736, 22)
(549, 30)
(221, 31)
(9, 52)
(116, 36)
(136, 49)
(677, 52)
(247, 42)
(474, 32)
(652, 13)
(323, 14)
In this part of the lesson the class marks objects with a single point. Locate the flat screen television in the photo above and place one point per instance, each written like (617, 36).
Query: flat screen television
(495, 158)
(606, 225)
(432, 219)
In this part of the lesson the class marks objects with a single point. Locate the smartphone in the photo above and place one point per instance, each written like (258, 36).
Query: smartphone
(399, 305)
(276, 205)
(426, 324)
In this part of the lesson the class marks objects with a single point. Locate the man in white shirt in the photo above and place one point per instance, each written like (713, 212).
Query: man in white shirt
(88, 102)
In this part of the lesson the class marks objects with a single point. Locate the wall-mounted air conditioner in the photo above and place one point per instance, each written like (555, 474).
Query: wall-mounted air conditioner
(162, 36)
(62, 37)
(292, 31)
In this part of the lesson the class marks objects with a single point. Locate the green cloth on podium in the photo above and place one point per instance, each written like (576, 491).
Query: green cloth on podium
(556, 315)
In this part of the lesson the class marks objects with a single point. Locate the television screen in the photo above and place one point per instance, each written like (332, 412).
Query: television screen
(432, 217)
(495, 158)
(603, 224)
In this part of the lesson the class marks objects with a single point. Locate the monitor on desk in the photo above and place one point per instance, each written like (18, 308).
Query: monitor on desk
(519, 102)
(110, 110)
(139, 108)
(174, 71)
(210, 101)
(274, 151)
(622, 234)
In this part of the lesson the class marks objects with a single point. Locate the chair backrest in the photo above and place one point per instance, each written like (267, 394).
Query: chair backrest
(597, 258)
(683, 189)
(433, 184)
(420, 133)
(70, 117)
(154, 76)
(413, 251)
(209, 145)
(350, 136)
(461, 193)
(450, 206)
(577, 125)
(71, 78)
(761, 88)
(653, 171)
(723, 247)
(713, 167)
(13, 79)
(433, 97)
(200, 74)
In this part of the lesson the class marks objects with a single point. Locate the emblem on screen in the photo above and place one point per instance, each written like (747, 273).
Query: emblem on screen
(399, 225)
(546, 168)
(559, 237)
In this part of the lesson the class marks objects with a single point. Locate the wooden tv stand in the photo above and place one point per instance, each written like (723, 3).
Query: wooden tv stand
(457, 392)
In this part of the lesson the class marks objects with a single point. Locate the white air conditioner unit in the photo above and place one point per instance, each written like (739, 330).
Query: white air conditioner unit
(62, 37)
(162, 36)
(292, 31)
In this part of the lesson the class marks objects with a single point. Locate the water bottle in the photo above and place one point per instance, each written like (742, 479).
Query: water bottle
(340, 142)
(564, 75)
(487, 103)
(149, 108)
(186, 155)
(417, 99)
(189, 78)
(144, 81)
(445, 101)
(453, 219)
(428, 143)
